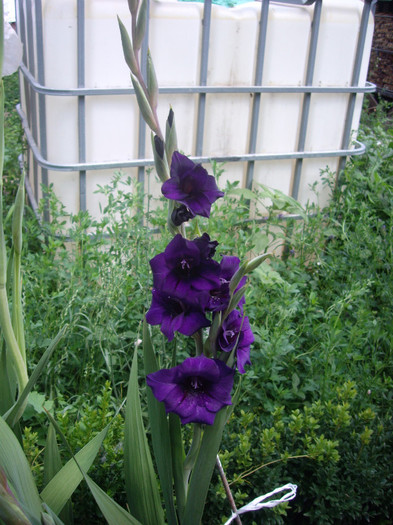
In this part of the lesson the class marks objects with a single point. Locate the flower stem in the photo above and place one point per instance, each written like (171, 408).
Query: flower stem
(189, 462)
(198, 342)
(12, 345)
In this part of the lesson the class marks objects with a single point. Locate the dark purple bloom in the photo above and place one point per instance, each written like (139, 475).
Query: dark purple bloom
(236, 333)
(184, 270)
(219, 297)
(206, 246)
(195, 390)
(191, 185)
(181, 214)
(177, 315)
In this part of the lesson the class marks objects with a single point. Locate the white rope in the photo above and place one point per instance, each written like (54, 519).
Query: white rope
(260, 503)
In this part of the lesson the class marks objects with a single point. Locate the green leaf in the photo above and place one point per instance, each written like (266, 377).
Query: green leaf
(18, 473)
(113, 513)
(243, 192)
(6, 390)
(203, 470)
(61, 487)
(159, 430)
(141, 482)
(52, 460)
(52, 465)
(14, 414)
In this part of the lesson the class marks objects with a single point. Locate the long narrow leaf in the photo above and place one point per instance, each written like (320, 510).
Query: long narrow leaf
(52, 465)
(14, 414)
(61, 487)
(6, 390)
(203, 470)
(113, 513)
(18, 473)
(141, 482)
(159, 431)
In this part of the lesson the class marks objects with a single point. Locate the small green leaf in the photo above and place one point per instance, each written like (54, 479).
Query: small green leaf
(243, 192)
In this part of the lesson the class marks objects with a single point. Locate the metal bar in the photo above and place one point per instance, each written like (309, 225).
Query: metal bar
(81, 102)
(307, 97)
(257, 96)
(206, 23)
(368, 5)
(30, 95)
(359, 150)
(191, 90)
(41, 100)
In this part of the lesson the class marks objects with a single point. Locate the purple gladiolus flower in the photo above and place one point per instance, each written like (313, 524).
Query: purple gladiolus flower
(195, 390)
(177, 315)
(191, 185)
(219, 297)
(184, 270)
(236, 332)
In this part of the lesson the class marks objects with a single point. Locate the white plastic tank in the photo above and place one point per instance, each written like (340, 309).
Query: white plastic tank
(175, 37)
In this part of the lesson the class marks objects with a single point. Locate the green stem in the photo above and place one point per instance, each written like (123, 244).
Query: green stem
(11, 342)
(198, 342)
(17, 314)
(189, 462)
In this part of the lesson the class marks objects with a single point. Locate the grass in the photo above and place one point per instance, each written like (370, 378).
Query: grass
(316, 405)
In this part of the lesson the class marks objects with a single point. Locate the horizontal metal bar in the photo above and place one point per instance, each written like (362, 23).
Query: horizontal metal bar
(358, 150)
(39, 88)
(382, 50)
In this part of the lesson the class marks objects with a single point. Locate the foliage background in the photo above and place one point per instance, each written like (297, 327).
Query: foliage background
(316, 405)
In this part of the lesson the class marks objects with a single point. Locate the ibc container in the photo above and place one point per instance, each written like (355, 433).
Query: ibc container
(274, 89)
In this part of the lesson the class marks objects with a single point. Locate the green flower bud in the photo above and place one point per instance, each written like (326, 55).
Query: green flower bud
(160, 161)
(170, 136)
(129, 54)
(140, 25)
(152, 85)
(143, 104)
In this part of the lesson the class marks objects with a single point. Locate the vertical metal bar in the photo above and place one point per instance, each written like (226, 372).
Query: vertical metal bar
(30, 94)
(41, 99)
(257, 96)
(307, 96)
(81, 101)
(367, 7)
(206, 24)
(142, 123)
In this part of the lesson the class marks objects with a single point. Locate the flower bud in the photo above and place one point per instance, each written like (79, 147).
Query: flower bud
(254, 263)
(152, 85)
(140, 25)
(133, 5)
(181, 214)
(143, 104)
(160, 161)
(170, 136)
(128, 52)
